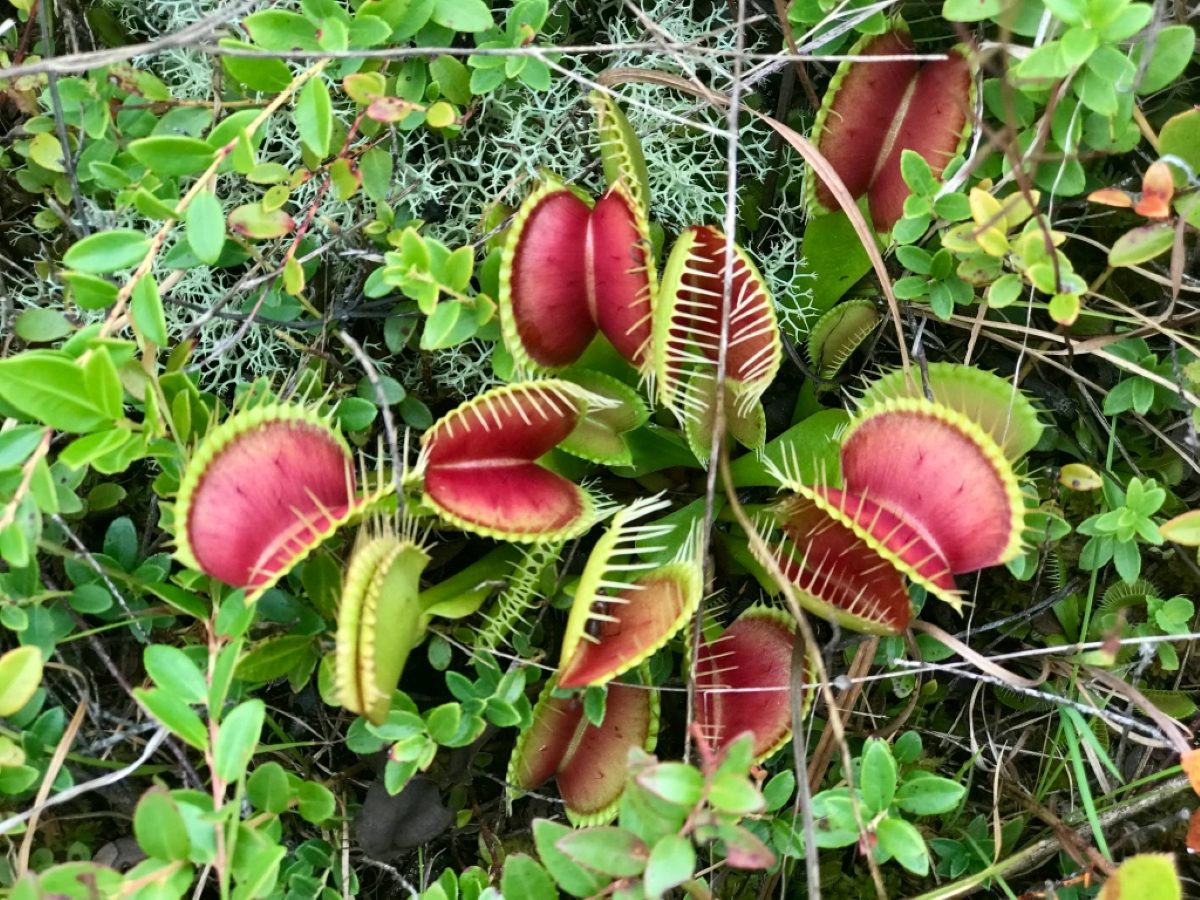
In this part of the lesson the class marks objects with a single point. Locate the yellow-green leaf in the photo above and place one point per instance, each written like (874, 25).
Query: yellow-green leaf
(20, 675)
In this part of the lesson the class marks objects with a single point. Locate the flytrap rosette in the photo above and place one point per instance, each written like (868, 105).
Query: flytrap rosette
(836, 573)
(690, 318)
(380, 619)
(875, 110)
(626, 609)
(942, 474)
(261, 491)
(480, 470)
(570, 271)
(600, 435)
(589, 762)
(744, 681)
(988, 400)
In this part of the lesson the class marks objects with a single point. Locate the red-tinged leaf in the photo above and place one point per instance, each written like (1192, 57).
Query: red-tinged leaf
(1189, 761)
(935, 469)
(1193, 833)
(252, 221)
(743, 850)
(480, 470)
(389, 109)
(589, 761)
(1112, 197)
(932, 124)
(892, 537)
(743, 682)
(625, 609)
(260, 492)
(840, 576)
(988, 400)
(1158, 187)
(859, 107)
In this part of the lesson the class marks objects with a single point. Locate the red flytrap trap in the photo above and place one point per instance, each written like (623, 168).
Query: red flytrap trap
(927, 488)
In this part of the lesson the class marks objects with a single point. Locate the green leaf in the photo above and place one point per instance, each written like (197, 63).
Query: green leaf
(159, 826)
(463, 15)
(443, 722)
(89, 291)
(1138, 245)
(175, 715)
(107, 251)
(20, 675)
(779, 789)
(608, 850)
(452, 78)
(1173, 49)
(447, 326)
(834, 819)
(174, 672)
(674, 782)
(878, 779)
(316, 803)
(146, 308)
(51, 389)
(916, 172)
(172, 155)
(40, 326)
(257, 73)
(355, 413)
(273, 658)
(375, 167)
(45, 149)
(926, 794)
(672, 862)
(907, 748)
(971, 10)
(1072, 12)
(103, 383)
(277, 29)
(237, 738)
(732, 793)
(571, 877)
(1180, 136)
(1147, 876)
(206, 227)
(314, 116)
(524, 878)
(901, 841)
(1044, 62)
(1077, 45)
(268, 788)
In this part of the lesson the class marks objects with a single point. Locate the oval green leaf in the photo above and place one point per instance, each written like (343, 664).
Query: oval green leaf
(20, 675)
(171, 155)
(107, 251)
